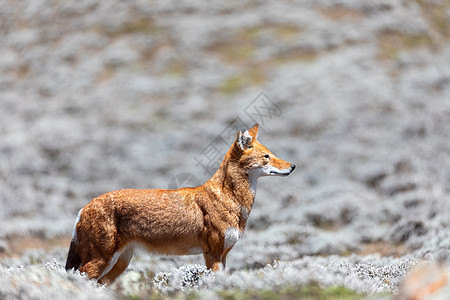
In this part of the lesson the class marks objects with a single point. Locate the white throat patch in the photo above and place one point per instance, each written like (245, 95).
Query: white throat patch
(253, 176)
(253, 180)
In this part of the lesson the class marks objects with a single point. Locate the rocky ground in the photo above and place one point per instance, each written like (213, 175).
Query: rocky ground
(102, 95)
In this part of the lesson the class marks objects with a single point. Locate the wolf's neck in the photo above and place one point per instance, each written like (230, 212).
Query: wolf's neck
(235, 181)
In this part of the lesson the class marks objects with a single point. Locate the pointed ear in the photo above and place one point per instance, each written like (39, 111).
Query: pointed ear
(244, 140)
(254, 131)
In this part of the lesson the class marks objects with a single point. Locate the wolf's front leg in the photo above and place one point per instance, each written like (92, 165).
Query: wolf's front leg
(213, 261)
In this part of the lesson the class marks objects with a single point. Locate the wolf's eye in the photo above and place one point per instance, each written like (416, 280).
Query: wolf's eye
(266, 156)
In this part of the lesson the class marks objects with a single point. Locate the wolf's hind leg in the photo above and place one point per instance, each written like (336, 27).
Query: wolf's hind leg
(119, 267)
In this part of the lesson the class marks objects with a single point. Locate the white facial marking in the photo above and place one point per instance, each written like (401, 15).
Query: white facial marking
(267, 170)
(232, 235)
(74, 233)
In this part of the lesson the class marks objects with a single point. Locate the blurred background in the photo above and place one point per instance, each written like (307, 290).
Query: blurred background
(102, 95)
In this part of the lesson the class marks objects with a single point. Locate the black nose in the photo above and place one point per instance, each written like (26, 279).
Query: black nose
(292, 167)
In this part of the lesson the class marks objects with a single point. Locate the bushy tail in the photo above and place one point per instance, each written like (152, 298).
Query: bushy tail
(73, 258)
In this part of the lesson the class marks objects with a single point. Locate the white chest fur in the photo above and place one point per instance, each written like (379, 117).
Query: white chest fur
(232, 235)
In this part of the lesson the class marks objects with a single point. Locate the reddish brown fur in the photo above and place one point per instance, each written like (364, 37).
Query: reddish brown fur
(170, 221)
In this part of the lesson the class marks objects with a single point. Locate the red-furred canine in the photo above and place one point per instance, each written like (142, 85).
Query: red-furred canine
(208, 219)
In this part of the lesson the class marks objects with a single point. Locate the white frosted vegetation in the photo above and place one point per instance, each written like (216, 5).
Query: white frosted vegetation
(47, 281)
(103, 95)
(366, 275)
